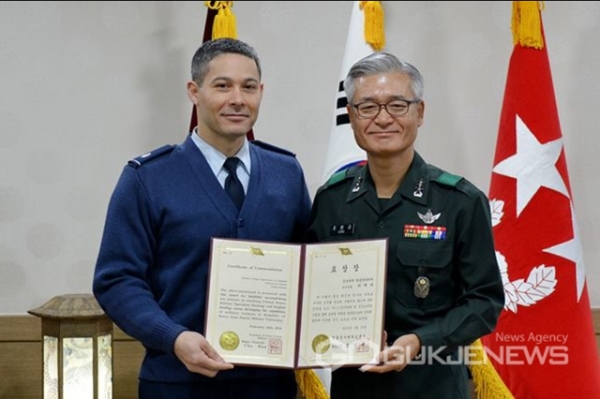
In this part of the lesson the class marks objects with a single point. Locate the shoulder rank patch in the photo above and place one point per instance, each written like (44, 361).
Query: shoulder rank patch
(138, 161)
(342, 175)
(448, 179)
(272, 147)
(336, 177)
(348, 173)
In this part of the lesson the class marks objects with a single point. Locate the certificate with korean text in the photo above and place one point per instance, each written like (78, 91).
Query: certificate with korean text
(296, 306)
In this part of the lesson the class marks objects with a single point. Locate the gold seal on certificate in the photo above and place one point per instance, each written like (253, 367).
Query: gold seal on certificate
(320, 344)
(229, 340)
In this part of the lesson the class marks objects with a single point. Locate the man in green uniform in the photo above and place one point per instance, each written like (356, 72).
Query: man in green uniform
(444, 289)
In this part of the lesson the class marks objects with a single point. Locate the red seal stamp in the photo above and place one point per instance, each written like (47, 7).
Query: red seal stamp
(275, 346)
(361, 346)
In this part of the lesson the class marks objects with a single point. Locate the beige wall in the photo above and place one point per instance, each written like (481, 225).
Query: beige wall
(88, 85)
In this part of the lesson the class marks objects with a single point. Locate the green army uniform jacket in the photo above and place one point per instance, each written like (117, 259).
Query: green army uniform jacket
(439, 228)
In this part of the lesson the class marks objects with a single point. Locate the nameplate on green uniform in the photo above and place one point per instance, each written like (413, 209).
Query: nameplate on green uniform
(345, 229)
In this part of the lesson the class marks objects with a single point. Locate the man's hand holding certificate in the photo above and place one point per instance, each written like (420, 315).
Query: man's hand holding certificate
(296, 306)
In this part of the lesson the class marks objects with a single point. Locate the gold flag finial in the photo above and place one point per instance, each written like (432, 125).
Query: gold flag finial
(526, 24)
(374, 31)
(224, 22)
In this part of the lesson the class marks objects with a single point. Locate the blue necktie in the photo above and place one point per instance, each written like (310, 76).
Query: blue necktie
(233, 186)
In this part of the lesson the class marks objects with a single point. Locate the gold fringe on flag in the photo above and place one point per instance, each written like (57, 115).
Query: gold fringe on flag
(374, 32)
(526, 24)
(487, 382)
(310, 384)
(224, 22)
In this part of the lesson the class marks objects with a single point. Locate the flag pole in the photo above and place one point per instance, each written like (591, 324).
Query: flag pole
(208, 28)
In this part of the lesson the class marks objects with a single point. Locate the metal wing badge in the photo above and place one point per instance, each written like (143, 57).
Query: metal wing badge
(428, 217)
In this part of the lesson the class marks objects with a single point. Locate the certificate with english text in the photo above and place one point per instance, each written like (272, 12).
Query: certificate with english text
(296, 306)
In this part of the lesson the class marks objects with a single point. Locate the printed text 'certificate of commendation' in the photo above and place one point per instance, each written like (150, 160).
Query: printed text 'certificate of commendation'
(296, 306)
(253, 301)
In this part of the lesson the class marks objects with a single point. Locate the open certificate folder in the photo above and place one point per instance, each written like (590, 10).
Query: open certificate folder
(296, 306)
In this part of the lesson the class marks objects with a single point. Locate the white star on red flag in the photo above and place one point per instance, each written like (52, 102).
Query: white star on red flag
(533, 165)
(572, 251)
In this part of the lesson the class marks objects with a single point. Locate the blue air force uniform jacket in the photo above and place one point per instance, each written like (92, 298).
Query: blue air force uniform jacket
(151, 272)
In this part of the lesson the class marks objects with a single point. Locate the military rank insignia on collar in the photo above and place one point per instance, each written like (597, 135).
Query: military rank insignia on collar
(419, 190)
(424, 232)
(356, 187)
(346, 229)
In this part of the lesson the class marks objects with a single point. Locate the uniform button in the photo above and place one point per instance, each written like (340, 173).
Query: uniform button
(381, 225)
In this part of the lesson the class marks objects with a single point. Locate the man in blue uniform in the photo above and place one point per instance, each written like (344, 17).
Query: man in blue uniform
(444, 289)
(151, 273)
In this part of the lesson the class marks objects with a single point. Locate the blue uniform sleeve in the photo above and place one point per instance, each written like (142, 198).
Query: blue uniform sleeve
(305, 205)
(120, 281)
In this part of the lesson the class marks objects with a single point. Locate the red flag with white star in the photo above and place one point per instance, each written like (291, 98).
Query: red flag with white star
(544, 345)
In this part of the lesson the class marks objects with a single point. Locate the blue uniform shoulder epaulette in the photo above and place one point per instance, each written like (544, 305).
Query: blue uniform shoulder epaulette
(139, 161)
(272, 147)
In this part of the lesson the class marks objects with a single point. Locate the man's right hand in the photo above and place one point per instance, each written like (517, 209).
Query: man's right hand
(198, 355)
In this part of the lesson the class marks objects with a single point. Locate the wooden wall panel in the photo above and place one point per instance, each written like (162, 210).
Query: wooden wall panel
(21, 370)
(127, 357)
(20, 328)
(21, 360)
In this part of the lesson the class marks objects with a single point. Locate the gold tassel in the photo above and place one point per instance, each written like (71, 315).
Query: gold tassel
(310, 384)
(374, 31)
(487, 382)
(224, 22)
(526, 24)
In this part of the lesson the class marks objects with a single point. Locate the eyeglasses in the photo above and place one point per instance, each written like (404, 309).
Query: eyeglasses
(370, 109)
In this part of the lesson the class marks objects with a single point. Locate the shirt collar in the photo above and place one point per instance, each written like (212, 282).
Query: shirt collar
(216, 158)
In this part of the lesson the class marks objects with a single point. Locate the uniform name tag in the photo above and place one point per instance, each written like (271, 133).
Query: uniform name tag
(345, 229)
(424, 232)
